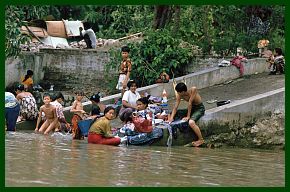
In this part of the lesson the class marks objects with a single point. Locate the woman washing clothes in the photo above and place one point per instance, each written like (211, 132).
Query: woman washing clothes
(28, 107)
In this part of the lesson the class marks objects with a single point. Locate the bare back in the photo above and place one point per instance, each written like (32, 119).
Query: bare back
(21, 95)
(192, 96)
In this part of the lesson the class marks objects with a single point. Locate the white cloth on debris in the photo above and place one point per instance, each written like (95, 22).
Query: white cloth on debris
(224, 63)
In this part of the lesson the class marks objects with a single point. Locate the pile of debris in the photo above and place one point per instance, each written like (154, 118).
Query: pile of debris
(34, 46)
(58, 34)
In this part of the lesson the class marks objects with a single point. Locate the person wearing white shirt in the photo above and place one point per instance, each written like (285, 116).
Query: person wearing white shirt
(131, 96)
(89, 37)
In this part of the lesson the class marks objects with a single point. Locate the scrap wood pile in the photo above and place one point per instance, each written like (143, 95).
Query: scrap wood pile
(58, 33)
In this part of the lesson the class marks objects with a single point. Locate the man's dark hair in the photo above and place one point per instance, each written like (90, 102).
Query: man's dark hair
(130, 83)
(278, 51)
(181, 87)
(57, 96)
(46, 95)
(29, 72)
(81, 93)
(144, 100)
(125, 49)
(19, 87)
(95, 97)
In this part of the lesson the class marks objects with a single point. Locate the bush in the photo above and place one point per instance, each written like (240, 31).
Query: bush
(158, 50)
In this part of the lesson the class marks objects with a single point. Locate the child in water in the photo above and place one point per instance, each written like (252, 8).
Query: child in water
(79, 114)
(49, 110)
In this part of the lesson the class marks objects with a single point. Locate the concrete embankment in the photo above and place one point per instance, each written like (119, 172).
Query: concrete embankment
(240, 122)
(256, 121)
(244, 121)
(201, 79)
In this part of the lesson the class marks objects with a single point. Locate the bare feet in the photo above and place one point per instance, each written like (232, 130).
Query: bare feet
(197, 143)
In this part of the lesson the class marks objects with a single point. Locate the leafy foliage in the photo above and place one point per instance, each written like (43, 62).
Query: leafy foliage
(216, 29)
(158, 50)
(13, 39)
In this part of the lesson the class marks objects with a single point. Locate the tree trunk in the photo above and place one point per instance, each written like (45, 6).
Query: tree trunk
(161, 16)
(206, 28)
(177, 18)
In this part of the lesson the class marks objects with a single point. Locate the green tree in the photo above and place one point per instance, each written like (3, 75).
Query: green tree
(13, 37)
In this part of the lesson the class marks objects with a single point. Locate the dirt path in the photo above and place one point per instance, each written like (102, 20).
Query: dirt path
(242, 88)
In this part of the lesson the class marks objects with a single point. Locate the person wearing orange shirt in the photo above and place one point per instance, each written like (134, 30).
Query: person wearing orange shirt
(27, 80)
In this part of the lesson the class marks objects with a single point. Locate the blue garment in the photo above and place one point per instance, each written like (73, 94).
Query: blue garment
(10, 100)
(12, 109)
(145, 138)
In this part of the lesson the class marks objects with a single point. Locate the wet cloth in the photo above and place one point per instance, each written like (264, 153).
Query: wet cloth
(197, 111)
(237, 61)
(145, 138)
(12, 109)
(28, 108)
(135, 138)
(76, 133)
(10, 100)
(100, 139)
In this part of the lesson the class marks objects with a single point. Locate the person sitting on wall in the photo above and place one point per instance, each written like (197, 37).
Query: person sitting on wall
(276, 62)
(163, 77)
(195, 110)
(90, 37)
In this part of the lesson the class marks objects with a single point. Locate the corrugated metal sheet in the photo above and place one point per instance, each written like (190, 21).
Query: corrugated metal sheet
(72, 27)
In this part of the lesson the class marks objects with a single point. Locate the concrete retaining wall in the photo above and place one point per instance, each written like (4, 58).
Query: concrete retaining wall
(240, 123)
(258, 122)
(241, 112)
(209, 77)
(61, 67)
(67, 68)
(201, 79)
(15, 68)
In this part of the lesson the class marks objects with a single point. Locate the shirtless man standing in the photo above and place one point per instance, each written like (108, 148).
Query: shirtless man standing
(194, 111)
(49, 110)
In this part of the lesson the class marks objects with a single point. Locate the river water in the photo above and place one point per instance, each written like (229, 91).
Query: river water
(37, 160)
